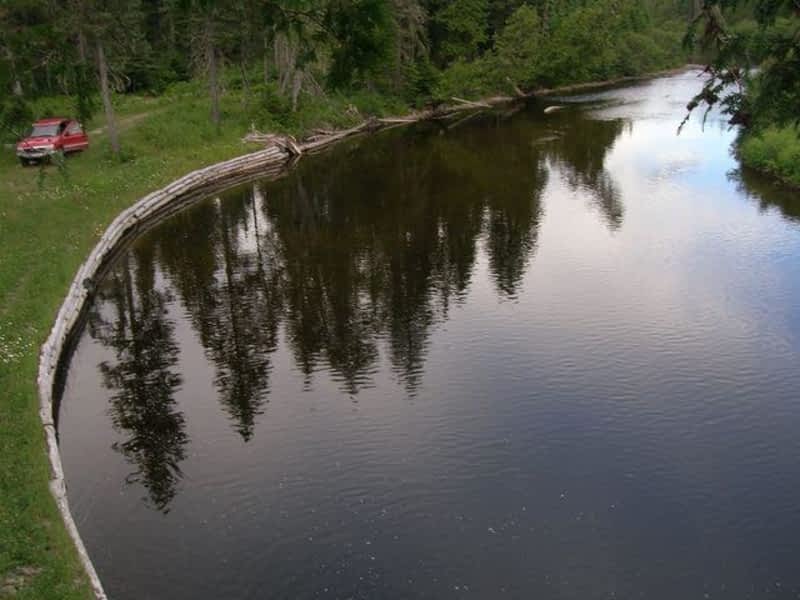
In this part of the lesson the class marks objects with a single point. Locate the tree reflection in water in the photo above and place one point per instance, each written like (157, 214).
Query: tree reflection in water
(768, 193)
(350, 258)
(130, 317)
(580, 153)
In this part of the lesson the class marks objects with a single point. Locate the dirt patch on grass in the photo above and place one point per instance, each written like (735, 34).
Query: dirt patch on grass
(124, 122)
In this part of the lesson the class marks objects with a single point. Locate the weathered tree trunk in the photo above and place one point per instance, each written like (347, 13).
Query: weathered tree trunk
(213, 80)
(276, 48)
(244, 55)
(285, 61)
(297, 85)
(697, 7)
(266, 58)
(82, 47)
(105, 93)
(17, 85)
(245, 85)
(545, 16)
(280, 61)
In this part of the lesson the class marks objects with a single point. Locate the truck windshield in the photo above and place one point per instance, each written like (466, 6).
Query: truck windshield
(44, 130)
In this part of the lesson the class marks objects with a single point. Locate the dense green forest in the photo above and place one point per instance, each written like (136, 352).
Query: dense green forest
(278, 57)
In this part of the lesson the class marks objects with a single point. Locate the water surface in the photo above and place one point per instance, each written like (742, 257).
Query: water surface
(523, 356)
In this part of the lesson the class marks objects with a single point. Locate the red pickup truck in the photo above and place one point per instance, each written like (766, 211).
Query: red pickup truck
(50, 136)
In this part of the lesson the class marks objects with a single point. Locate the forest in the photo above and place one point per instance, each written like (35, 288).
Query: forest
(260, 62)
(291, 65)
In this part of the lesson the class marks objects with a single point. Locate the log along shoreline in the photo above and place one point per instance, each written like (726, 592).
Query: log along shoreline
(280, 153)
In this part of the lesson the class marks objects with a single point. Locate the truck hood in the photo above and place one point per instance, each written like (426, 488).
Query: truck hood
(36, 141)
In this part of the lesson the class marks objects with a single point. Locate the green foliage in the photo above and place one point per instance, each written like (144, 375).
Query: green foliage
(585, 45)
(772, 95)
(16, 117)
(520, 47)
(774, 150)
(363, 33)
(421, 79)
(466, 79)
(465, 24)
(654, 50)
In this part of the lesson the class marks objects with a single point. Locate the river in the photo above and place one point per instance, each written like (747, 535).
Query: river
(524, 355)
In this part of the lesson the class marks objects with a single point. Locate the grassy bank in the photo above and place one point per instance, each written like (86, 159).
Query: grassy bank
(776, 151)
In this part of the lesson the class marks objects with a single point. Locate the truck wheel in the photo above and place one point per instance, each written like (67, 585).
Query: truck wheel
(24, 161)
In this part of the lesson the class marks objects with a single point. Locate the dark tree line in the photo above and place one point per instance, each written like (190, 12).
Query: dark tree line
(93, 49)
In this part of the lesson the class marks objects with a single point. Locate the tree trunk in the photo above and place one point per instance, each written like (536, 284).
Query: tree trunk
(105, 92)
(266, 59)
(697, 7)
(285, 61)
(279, 60)
(81, 47)
(213, 82)
(297, 85)
(245, 78)
(17, 85)
(545, 16)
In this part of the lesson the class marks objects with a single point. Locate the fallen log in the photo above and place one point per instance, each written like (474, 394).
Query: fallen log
(470, 103)
(285, 142)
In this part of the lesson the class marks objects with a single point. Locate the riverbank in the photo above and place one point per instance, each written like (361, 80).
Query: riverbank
(775, 151)
(50, 218)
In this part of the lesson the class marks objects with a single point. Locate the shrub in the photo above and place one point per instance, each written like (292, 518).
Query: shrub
(15, 118)
(467, 79)
(519, 47)
(775, 150)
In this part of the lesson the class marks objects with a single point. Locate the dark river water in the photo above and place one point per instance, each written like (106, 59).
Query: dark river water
(524, 356)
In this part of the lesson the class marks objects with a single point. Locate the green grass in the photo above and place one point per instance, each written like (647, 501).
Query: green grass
(776, 150)
(50, 218)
